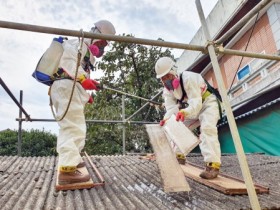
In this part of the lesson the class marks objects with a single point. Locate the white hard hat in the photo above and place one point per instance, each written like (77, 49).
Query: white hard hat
(105, 27)
(163, 66)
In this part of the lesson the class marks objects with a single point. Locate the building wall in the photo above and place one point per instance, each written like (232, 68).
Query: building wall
(265, 39)
(219, 16)
(255, 135)
(261, 41)
(274, 18)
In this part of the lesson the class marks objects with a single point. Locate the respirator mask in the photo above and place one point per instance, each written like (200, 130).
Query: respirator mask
(97, 48)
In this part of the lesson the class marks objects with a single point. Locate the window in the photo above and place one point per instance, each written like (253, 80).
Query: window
(243, 72)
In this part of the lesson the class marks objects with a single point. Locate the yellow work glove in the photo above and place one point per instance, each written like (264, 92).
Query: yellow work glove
(181, 115)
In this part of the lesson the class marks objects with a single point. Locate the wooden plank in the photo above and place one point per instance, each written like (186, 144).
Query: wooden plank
(76, 186)
(178, 133)
(223, 183)
(171, 173)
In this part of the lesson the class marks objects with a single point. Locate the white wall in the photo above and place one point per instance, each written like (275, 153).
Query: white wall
(274, 19)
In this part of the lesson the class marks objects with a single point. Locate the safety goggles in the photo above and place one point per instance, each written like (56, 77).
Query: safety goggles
(97, 29)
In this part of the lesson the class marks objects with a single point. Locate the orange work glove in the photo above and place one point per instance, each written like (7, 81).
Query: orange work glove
(89, 84)
(181, 115)
(162, 122)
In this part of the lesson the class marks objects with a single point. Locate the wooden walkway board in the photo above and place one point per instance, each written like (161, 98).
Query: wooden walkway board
(82, 185)
(223, 183)
(171, 173)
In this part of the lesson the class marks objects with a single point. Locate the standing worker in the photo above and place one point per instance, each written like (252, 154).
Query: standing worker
(202, 109)
(72, 132)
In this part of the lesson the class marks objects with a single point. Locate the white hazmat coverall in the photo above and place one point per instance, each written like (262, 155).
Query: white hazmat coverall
(72, 132)
(205, 113)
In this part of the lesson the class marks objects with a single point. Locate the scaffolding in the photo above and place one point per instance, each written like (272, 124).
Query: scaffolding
(213, 47)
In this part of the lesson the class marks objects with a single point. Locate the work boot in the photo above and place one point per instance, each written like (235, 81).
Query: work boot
(72, 177)
(81, 164)
(211, 171)
(181, 158)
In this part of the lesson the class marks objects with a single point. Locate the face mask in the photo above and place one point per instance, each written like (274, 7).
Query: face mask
(170, 82)
(97, 48)
(175, 83)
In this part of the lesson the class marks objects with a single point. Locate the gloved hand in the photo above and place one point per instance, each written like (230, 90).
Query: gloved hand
(90, 100)
(90, 84)
(99, 86)
(162, 122)
(181, 115)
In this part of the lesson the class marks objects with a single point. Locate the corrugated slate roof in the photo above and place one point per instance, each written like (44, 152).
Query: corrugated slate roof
(252, 111)
(131, 183)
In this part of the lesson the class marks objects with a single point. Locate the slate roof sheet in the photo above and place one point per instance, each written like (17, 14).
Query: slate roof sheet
(253, 111)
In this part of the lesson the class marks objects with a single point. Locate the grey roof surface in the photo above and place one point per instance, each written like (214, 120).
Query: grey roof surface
(131, 183)
(253, 111)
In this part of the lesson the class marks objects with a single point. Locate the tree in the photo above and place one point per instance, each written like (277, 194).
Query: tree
(34, 143)
(130, 69)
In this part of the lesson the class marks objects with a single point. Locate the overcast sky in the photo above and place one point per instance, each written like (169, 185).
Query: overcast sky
(175, 21)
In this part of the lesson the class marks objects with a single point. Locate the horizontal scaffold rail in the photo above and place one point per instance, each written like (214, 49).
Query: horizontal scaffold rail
(67, 32)
(88, 121)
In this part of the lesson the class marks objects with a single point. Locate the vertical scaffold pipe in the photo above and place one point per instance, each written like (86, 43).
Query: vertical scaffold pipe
(232, 124)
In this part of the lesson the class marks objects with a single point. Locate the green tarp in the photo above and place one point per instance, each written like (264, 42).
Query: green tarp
(259, 132)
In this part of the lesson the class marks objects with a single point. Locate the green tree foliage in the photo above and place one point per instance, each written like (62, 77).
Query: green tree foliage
(130, 69)
(34, 143)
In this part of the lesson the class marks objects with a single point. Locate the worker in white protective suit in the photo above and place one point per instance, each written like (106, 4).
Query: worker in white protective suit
(202, 109)
(72, 132)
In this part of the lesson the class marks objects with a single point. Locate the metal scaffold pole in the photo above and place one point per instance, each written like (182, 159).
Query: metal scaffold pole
(123, 118)
(146, 104)
(123, 93)
(232, 124)
(67, 32)
(20, 125)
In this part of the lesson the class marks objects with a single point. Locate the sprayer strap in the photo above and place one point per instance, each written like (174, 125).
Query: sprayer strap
(79, 55)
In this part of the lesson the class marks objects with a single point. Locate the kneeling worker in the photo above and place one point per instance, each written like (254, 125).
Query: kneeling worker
(202, 108)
